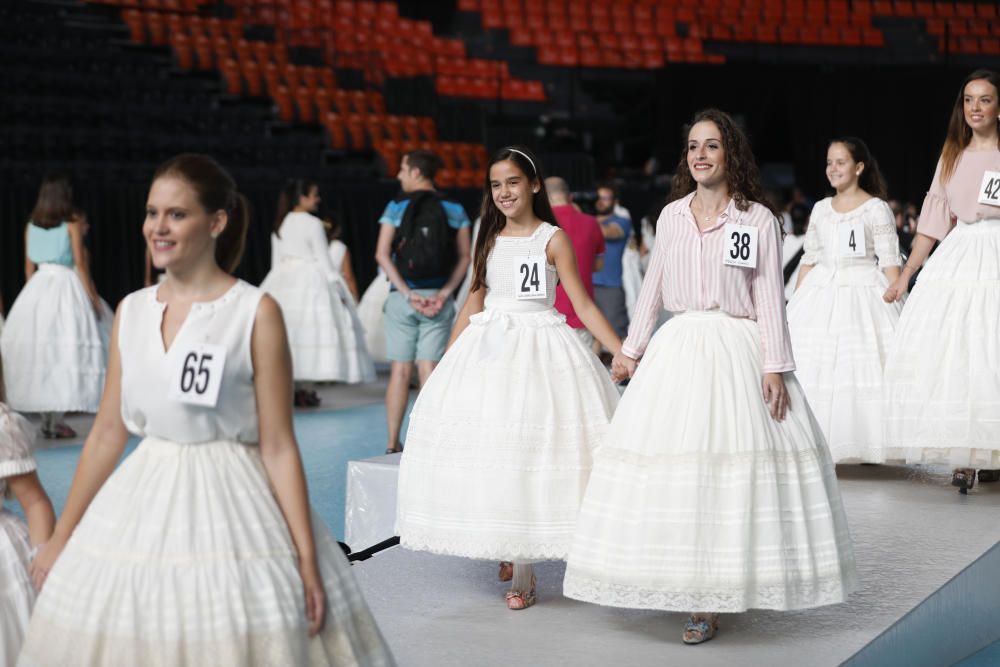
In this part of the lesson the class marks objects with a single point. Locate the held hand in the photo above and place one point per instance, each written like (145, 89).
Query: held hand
(43, 561)
(315, 597)
(775, 395)
(897, 290)
(622, 367)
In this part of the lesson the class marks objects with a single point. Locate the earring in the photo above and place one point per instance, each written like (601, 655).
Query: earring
(215, 235)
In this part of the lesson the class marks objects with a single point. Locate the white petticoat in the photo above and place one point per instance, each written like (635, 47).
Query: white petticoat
(324, 333)
(370, 310)
(184, 558)
(699, 500)
(942, 375)
(17, 594)
(841, 330)
(500, 441)
(53, 356)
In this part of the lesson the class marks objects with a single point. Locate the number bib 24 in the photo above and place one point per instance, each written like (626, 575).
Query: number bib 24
(989, 189)
(529, 277)
(851, 240)
(740, 248)
(195, 373)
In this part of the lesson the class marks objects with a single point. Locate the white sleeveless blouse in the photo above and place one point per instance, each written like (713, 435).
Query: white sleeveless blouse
(146, 410)
(501, 278)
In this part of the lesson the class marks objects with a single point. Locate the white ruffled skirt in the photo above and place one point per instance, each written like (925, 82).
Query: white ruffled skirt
(184, 558)
(501, 440)
(699, 500)
(942, 375)
(370, 310)
(52, 349)
(17, 594)
(841, 332)
(324, 332)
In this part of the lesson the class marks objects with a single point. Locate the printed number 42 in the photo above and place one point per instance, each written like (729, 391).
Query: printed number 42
(530, 277)
(993, 188)
(198, 380)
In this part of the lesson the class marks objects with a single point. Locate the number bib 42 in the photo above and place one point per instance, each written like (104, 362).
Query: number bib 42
(740, 248)
(195, 373)
(989, 189)
(851, 240)
(529, 277)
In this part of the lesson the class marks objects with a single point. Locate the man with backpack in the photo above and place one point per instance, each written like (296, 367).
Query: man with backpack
(423, 247)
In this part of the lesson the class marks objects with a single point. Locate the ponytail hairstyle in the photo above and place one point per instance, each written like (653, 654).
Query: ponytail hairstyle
(742, 175)
(959, 133)
(55, 202)
(492, 219)
(294, 190)
(871, 179)
(216, 191)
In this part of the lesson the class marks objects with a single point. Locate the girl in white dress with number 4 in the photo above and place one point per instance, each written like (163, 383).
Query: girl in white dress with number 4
(943, 372)
(841, 327)
(713, 491)
(200, 548)
(501, 437)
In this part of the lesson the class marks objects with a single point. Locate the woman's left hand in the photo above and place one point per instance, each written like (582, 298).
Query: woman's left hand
(315, 596)
(775, 395)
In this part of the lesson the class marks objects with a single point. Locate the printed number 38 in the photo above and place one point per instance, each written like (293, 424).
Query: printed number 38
(741, 246)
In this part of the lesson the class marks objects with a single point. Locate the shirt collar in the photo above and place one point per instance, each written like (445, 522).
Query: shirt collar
(727, 215)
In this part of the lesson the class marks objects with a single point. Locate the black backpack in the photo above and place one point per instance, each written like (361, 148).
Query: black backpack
(424, 244)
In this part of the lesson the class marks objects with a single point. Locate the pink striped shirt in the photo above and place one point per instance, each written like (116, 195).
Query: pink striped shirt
(686, 273)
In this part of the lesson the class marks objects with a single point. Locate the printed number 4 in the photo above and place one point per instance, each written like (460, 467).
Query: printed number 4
(851, 242)
(741, 246)
(188, 374)
(530, 277)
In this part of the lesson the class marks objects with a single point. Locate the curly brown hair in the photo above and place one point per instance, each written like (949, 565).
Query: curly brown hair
(742, 175)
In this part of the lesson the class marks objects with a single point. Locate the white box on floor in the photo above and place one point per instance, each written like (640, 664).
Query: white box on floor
(370, 510)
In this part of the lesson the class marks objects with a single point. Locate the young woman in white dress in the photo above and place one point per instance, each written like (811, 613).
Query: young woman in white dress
(943, 372)
(713, 490)
(340, 257)
(18, 541)
(200, 549)
(323, 329)
(501, 437)
(52, 340)
(840, 325)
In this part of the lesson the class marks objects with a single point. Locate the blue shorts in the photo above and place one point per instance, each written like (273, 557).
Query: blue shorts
(412, 336)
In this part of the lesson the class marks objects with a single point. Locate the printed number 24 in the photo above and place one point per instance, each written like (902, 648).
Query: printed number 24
(188, 374)
(529, 277)
(741, 246)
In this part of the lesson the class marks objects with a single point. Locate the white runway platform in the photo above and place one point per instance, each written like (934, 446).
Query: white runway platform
(912, 532)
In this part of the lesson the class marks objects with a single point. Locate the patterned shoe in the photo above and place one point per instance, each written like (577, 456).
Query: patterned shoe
(517, 600)
(506, 572)
(698, 631)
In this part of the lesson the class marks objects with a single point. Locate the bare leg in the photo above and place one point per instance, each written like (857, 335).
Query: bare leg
(396, 395)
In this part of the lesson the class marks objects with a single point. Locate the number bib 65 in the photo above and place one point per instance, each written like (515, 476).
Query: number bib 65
(195, 373)
(740, 247)
(529, 277)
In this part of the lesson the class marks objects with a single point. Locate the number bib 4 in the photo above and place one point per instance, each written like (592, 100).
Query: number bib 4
(195, 373)
(851, 240)
(529, 277)
(740, 248)
(989, 189)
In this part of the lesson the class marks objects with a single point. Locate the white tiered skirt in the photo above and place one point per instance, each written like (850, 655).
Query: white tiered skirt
(371, 310)
(52, 349)
(184, 558)
(17, 594)
(501, 440)
(841, 331)
(324, 332)
(943, 372)
(699, 500)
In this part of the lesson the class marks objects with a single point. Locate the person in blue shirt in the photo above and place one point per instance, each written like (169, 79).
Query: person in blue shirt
(608, 292)
(420, 308)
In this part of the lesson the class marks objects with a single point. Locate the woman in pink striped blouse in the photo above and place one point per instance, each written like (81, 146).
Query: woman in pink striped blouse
(714, 490)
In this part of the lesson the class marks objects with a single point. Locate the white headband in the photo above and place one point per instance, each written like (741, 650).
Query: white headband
(530, 161)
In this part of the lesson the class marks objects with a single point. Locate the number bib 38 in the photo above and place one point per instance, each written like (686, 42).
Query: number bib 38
(195, 373)
(989, 189)
(740, 247)
(529, 277)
